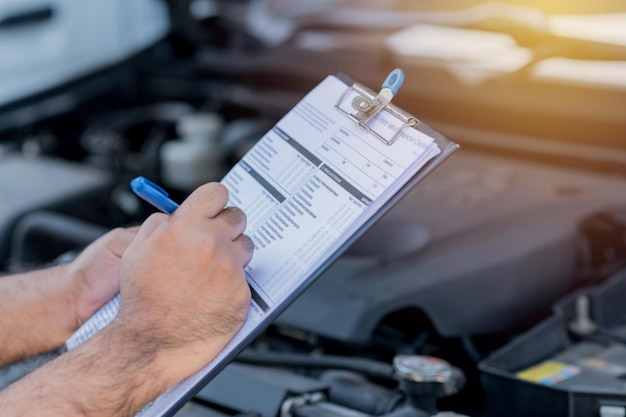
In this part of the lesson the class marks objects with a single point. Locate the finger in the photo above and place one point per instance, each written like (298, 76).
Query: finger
(234, 219)
(133, 229)
(149, 226)
(246, 248)
(207, 201)
(119, 239)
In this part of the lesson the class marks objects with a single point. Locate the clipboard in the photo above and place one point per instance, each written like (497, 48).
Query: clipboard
(446, 146)
(364, 118)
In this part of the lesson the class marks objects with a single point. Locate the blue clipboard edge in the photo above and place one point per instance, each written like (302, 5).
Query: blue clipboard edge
(447, 148)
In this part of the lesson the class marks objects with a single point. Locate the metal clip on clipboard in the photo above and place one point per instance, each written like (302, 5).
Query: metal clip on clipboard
(367, 105)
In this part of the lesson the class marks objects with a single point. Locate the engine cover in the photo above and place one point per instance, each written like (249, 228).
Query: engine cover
(483, 245)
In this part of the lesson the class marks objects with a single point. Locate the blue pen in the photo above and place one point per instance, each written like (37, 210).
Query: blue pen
(153, 194)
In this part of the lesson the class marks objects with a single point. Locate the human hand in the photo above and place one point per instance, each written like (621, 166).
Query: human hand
(95, 273)
(183, 289)
(183, 297)
(40, 309)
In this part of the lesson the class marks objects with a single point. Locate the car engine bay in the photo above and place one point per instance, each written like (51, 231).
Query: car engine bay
(529, 211)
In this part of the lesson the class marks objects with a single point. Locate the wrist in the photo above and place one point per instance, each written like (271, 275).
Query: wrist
(65, 292)
(172, 359)
(76, 286)
(139, 352)
(87, 299)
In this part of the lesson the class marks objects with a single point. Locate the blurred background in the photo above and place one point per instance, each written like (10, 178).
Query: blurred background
(529, 214)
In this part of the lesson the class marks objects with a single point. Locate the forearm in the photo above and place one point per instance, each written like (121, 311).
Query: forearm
(184, 295)
(109, 375)
(37, 312)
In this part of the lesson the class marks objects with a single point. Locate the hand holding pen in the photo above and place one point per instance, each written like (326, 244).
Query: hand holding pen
(189, 264)
(183, 296)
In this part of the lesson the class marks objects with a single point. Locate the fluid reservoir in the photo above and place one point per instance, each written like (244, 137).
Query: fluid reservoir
(196, 156)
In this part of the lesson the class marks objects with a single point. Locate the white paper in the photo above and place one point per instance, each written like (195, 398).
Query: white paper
(305, 187)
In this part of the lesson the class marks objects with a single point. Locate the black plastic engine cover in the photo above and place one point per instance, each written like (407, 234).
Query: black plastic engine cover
(485, 244)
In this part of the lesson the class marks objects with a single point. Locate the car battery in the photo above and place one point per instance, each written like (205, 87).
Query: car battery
(554, 370)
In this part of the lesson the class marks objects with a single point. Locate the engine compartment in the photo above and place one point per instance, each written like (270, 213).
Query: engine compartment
(471, 258)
